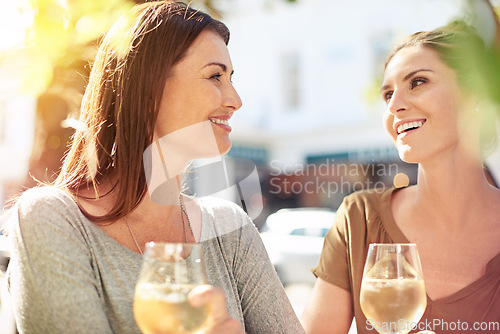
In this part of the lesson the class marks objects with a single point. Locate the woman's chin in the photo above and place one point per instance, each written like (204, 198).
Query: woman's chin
(224, 146)
(408, 157)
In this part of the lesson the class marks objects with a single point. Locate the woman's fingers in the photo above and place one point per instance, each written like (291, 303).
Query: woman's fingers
(228, 326)
(219, 321)
(211, 296)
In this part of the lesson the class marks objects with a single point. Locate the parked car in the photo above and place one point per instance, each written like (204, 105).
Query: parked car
(294, 240)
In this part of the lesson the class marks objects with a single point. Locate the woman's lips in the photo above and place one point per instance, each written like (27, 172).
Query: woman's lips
(408, 126)
(221, 122)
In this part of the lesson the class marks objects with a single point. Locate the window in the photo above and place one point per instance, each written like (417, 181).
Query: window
(291, 74)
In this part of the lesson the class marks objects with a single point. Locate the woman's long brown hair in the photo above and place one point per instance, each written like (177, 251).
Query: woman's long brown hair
(120, 105)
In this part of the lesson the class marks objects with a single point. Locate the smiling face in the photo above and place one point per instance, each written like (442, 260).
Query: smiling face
(199, 89)
(423, 105)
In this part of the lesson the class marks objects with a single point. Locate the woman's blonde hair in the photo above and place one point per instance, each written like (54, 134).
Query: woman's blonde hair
(461, 49)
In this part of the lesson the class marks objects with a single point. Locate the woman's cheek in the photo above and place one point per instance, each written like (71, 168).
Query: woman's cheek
(388, 120)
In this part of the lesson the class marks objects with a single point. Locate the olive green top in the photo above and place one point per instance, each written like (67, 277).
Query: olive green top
(366, 217)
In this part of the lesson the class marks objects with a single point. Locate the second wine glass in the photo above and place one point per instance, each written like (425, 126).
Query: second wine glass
(393, 296)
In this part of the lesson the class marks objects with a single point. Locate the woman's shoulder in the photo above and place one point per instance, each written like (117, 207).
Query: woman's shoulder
(46, 198)
(45, 192)
(216, 206)
(47, 204)
(375, 198)
(367, 209)
(368, 215)
(221, 217)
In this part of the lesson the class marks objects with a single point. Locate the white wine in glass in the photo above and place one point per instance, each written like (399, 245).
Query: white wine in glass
(393, 296)
(169, 272)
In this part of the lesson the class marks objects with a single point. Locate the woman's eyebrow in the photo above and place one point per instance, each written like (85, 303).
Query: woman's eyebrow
(408, 76)
(221, 65)
(412, 73)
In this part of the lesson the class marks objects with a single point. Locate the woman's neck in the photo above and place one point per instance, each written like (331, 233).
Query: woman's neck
(454, 190)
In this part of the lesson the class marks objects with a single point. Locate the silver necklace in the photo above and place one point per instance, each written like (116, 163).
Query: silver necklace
(133, 236)
(183, 212)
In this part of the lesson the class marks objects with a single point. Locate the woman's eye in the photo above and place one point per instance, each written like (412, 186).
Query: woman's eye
(417, 82)
(216, 76)
(387, 96)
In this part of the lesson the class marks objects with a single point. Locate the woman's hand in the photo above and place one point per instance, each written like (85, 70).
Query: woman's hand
(219, 321)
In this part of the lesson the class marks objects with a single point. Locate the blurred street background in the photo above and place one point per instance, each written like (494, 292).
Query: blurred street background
(308, 72)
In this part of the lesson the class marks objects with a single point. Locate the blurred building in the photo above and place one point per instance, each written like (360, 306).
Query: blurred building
(17, 117)
(309, 73)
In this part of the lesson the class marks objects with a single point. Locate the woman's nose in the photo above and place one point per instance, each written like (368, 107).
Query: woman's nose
(397, 103)
(232, 99)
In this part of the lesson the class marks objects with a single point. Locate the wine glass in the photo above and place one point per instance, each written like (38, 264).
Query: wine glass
(169, 272)
(393, 296)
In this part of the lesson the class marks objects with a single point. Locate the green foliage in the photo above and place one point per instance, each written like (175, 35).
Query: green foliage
(490, 67)
(63, 32)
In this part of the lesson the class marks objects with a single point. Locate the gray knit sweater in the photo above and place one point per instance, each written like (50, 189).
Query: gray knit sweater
(67, 275)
